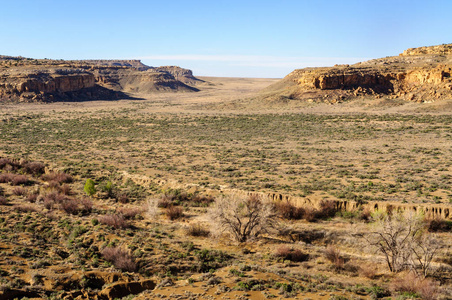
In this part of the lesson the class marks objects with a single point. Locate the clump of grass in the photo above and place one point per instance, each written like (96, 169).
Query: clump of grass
(174, 212)
(197, 230)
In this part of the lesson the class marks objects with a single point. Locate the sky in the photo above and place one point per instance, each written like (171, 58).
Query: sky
(223, 38)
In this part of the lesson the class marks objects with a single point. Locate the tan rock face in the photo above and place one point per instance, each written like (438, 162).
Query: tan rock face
(48, 80)
(417, 74)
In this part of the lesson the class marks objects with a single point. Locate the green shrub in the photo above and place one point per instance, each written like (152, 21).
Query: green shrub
(90, 188)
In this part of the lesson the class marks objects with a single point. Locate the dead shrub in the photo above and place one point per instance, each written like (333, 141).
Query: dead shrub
(310, 214)
(365, 215)
(289, 211)
(6, 177)
(197, 230)
(410, 283)
(243, 218)
(32, 198)
(122, 198)
(87, 205)
(328, 209)
(65, 189)
(368, 271)
(34, 168)
(287, 253)
(59, 177)
(55, 196)
(3, 162)
(25, 208)
(3, 200)
(164, 202)
(130, 212)
(8, 164)
(115, 221)
(333, 254)
(174, 212)
(439, 225)
(120, 258)
(20, 180)
(70, 206)
(19, 191)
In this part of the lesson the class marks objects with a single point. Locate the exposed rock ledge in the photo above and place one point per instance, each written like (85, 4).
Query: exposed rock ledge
(420, 74)
(28, 80)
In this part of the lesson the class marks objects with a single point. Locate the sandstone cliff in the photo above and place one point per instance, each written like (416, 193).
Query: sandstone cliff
(419, 74)
(25, 79)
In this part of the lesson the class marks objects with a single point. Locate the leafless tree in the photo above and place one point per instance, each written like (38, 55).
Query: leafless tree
(404, 241)
(243, 217)
(424, 250)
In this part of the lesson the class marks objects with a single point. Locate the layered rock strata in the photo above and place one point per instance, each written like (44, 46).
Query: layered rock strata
(24, 79)
(420, 74)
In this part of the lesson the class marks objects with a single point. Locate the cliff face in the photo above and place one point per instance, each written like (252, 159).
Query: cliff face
(23, 79)
(420, 74)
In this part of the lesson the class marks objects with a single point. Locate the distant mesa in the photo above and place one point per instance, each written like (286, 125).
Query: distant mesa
(418, 74)
(44, 80)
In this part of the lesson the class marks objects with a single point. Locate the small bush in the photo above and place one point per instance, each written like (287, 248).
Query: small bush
(368, 271)
(174, 212)
(4, 161)
(25, 208)
(19, 191)
(164, 202)
(439, 225)
(65, 189)
(410, 283)
(3, 200)
(122, 198)
(19, 180)
(31, 198)
(59, 177)
(289, 211)
(333, 254)
(130, 212)
(327, 209)
(6, 177)
(70, 206)
(89, 188)
(34, 168)
(120, 258)
(310, 214)
(197, 230)
(115, 221)
(287, 253)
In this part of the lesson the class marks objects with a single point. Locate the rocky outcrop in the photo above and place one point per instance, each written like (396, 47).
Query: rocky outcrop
(181, 74)
(420, 74)
(28, 80)
(444, 49)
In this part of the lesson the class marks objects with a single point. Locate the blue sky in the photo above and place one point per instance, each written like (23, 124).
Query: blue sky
(223, 38)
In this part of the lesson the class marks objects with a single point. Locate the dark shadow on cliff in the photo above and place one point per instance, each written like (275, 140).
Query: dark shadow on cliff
(96, 93)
